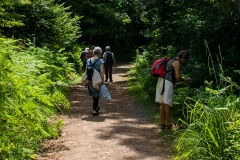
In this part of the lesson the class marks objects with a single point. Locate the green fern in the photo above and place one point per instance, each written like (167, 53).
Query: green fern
(31, 85)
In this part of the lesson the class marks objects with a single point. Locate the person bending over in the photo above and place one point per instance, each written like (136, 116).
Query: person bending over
(166, 98)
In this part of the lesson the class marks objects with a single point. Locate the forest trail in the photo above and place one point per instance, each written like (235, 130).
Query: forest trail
(120, 132)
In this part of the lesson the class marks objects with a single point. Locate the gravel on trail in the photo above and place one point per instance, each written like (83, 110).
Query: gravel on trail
(121, 132)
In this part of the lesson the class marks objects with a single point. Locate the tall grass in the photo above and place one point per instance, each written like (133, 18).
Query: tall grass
(212, 120)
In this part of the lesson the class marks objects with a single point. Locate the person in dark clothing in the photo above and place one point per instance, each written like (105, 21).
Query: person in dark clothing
(83, 59)
(109, 60)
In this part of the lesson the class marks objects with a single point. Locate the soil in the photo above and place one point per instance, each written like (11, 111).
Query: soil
(121, 132)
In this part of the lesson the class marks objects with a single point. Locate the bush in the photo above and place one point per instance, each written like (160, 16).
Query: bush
(31, 82)
(211, 119)
(212, 127)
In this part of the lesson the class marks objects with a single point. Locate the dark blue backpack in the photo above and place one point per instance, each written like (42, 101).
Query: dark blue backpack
(109, 58)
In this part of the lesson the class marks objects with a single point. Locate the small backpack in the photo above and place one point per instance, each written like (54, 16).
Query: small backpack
(109, 57)
(90, 69)
(89, 54)
(158, 67)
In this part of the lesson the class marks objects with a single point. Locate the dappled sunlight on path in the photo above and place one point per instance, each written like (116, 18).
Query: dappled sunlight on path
(120, 132)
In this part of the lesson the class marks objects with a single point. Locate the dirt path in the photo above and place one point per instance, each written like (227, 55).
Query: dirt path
(120, 132)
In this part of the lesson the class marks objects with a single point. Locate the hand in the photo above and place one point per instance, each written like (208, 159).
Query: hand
(102, 83)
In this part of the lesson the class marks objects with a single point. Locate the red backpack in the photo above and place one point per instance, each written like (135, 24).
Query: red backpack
(158, 67)
(89, 54)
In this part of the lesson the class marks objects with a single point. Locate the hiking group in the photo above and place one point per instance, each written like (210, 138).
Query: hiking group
(166, 69)
(94, 68)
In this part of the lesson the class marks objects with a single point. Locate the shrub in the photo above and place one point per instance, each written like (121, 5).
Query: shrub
(211, 119)
(31, 85)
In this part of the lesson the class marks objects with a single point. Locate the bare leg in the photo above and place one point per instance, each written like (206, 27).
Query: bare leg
(162, 113)
(168, 114)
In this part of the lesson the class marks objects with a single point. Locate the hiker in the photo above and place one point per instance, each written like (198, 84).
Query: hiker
(98, 66)
(171, 76)
(90, 53)
(83, 58)
(109, 60)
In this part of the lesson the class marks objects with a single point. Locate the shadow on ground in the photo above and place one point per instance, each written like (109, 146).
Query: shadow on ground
(121, 131)
(130, 125)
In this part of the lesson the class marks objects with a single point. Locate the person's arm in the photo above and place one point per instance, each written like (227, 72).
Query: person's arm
(176, 65)
(102, 72)
(86, 67)
(86, 56)
(81, 56)
(114, 61)
(104, 56)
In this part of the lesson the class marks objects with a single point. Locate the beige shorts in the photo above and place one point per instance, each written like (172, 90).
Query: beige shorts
(167, 96)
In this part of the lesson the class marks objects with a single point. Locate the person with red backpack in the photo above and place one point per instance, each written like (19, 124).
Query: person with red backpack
(164, 88)
(109, 60)
(90, 54)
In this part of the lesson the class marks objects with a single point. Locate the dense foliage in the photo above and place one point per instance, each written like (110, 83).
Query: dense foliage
(211, 119)
(50, 24)
(34, 80)
(115, 23)
(210, 31)
(39, 52)
(184, 25)
(31, 92)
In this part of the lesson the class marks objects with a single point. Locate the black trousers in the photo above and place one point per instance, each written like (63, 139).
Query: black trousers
(108, 71)
(84, 66)
(95, 102)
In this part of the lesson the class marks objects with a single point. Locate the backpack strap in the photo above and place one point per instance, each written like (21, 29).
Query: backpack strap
(175, 59)
(94, 62)
(163, 86)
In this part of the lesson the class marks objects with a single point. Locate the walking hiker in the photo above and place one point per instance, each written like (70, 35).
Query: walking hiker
(109, 60)
(172, 75)
(83, 59)
(98, 67)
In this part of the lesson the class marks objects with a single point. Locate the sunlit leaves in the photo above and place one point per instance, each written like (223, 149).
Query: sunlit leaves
(31, 92)
(9, 18)
(52, 25)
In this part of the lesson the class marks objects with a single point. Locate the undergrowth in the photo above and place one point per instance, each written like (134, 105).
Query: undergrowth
(33, 85)
(207, 117)
(211, 120)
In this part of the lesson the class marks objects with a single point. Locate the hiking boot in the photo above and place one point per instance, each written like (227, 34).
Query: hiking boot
(95, 113)
(162, 126)
(105, 80)
(98, 108)
(168, 127)
(111, 80)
